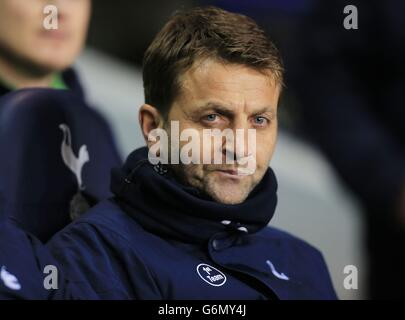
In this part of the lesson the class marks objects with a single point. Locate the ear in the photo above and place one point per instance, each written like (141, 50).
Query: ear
(149, 119)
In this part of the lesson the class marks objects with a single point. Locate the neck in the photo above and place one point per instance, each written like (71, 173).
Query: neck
(18, 77)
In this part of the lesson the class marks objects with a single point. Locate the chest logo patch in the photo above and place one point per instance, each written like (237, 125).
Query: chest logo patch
(211, 275)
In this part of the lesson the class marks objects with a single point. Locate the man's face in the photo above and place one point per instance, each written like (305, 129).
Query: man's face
(226, 96)
(23, 35)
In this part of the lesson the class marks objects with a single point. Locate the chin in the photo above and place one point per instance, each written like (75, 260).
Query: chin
(56, 65)
(226, 191)
(229, 201)
(56, 59)
(46, 64)
(228, 195)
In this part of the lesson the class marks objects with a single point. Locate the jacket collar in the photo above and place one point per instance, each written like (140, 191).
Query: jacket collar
(69, 77)
(162, 205)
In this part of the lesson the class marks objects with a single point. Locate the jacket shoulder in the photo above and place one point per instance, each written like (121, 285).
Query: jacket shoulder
(282, 237)
(106, 220)
(295, 249)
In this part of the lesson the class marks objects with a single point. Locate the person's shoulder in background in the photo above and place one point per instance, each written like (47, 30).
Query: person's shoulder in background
(24, 265)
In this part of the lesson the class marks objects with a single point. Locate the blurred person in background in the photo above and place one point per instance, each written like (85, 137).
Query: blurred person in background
(25, 264)
(351, 87)
(32, 56)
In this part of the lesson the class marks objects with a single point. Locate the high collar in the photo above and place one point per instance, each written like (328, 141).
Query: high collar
(162, 205)
(69, 77)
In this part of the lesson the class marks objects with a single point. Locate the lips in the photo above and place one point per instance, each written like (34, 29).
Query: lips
(230, 174)
(233, 172)
(55, 34)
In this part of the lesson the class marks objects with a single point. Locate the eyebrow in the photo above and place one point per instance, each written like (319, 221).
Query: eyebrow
(226, 111)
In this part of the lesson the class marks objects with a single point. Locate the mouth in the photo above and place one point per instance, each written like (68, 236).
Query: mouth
(229, 173)
(57, 35)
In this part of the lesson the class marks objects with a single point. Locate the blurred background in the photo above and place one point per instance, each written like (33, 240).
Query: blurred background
(340, 158)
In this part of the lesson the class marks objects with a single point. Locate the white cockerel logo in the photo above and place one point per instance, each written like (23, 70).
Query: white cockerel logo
(75, 164)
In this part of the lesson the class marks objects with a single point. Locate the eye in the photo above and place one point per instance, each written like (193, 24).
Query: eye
(260, 120)
(211, 117)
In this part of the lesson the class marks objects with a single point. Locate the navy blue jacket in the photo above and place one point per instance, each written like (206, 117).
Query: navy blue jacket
(44, 135)
(108, 254)
(157, 239)
(23, 260)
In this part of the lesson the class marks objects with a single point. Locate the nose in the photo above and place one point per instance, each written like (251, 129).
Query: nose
(61, 7)
(239, 143)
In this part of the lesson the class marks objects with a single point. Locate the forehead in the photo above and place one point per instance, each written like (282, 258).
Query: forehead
(231, 84)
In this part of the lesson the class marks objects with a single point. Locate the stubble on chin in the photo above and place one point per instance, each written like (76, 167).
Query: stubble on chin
(221, 190)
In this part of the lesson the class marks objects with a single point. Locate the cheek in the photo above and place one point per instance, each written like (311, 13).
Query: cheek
(28, 16)
(193, 173)
(265, 144)
(207, 147)
(79, 17)
(18, 20)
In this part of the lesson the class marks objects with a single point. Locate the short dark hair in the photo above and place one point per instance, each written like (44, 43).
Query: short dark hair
(201, 33)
